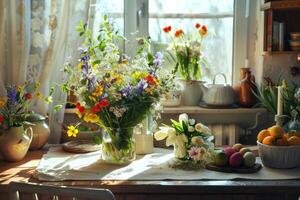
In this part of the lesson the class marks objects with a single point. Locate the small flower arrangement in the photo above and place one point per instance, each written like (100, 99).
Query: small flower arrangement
(192, 142)
(187, 50)
(113, 90)
(15, 107)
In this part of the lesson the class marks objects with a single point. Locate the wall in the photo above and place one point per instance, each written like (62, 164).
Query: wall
(274, 66)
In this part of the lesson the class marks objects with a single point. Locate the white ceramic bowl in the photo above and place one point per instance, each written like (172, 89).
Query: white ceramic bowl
(282, 157)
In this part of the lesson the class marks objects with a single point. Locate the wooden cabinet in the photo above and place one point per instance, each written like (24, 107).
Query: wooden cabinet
(282, 17)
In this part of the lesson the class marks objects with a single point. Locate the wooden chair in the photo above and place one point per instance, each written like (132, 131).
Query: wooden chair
(32, 191)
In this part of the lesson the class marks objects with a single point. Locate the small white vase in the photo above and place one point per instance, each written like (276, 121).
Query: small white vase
(191, 92)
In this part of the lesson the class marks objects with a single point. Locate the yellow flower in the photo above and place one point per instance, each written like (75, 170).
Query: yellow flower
(92, 98)
(98, 91)
(2, 102)
(20, 88)
(79, 114)
(91, 118)
(139, 75)
(37, 84)
(79, 65)
(117, 77)
(72, 131)
(39, 95)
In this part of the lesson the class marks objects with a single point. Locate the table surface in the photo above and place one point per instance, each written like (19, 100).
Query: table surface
(22, 171)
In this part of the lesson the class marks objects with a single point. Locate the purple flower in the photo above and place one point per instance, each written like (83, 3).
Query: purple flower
(142, 85)
(158, 59)
(92, 81)
(11, 95)
(127, 91)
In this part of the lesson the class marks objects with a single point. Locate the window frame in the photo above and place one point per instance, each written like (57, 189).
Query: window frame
(136, 21)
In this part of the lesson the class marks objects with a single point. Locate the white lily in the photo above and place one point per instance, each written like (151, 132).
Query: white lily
(164, 132)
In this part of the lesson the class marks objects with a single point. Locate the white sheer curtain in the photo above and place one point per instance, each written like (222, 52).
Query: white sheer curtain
(37, 38)
(14, 41)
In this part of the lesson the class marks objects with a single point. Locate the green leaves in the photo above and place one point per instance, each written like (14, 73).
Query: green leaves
(57, 108)
(81, 27)
(267, 98)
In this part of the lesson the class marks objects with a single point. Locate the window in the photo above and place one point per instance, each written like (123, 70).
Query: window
(148, 17)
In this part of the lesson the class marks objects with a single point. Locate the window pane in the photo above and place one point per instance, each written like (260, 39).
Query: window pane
(114, 9)
(217, 15)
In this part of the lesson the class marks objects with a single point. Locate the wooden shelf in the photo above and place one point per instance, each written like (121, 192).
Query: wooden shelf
(280, 52)
(280, 5)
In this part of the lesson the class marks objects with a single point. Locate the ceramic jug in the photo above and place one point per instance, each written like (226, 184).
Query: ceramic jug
(15, 142)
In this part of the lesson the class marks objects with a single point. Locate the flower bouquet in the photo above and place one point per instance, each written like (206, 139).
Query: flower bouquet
(113, 90)
(14, 108)
(192, 141)
(187, 51)
(14, 111)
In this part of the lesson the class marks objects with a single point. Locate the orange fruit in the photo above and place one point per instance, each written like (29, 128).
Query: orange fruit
(294, 140)
(282, 141)
(276, 131)
(262, 134)
(269, 140)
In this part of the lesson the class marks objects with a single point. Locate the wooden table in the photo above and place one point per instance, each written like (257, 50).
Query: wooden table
(148, 190)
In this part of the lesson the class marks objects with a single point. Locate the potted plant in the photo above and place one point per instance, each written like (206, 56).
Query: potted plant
(14, 109)
(185, 50)
(114, 91)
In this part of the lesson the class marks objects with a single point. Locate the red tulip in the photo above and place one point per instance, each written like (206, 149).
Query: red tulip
(103, 103)
(179, 33)
(197, 25)
(167, 29)
(95, 108)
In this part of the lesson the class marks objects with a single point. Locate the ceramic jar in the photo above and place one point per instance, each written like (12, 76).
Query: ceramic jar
(15, 142)
(41, 131)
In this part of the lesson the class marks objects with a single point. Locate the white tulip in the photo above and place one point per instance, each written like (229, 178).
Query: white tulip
(192, 122)
(191, 129)
(183, 118)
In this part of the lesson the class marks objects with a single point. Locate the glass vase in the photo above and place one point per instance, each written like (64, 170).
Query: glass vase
(118, 146)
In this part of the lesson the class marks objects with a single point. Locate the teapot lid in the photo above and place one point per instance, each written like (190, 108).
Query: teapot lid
(35, 117)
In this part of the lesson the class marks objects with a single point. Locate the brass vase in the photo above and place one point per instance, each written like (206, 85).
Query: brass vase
(15, 142)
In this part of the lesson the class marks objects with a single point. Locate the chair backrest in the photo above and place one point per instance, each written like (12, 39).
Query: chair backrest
(39, 191)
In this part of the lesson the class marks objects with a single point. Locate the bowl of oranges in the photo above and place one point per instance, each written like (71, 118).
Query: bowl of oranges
(278, 149)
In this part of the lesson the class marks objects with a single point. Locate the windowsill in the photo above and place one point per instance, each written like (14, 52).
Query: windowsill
(200, 110)
(244, 117)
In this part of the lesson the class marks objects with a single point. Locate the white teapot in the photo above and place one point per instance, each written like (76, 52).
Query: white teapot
(218, 94)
